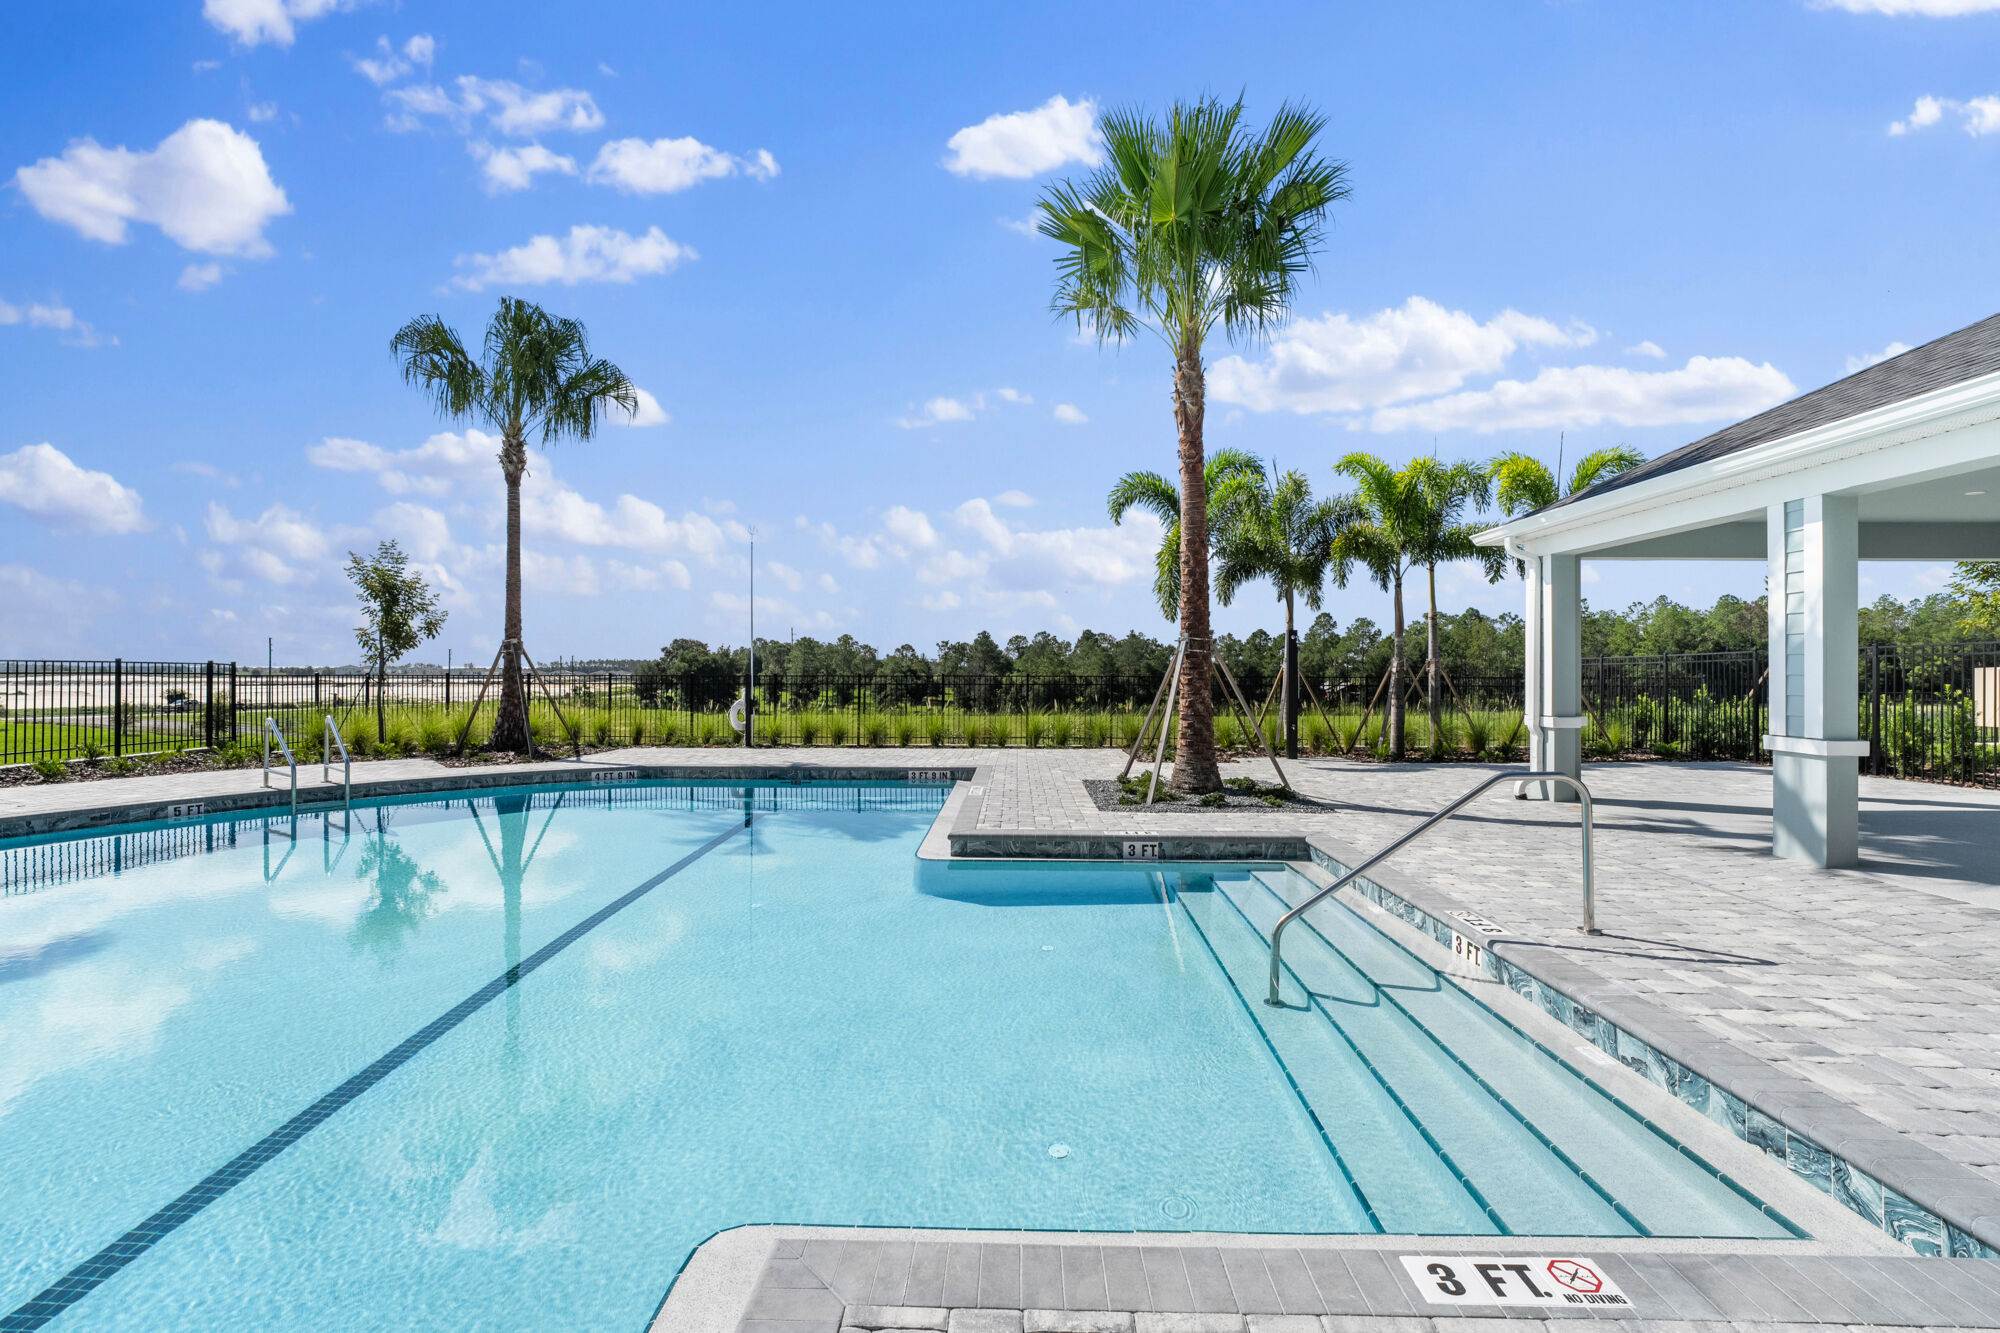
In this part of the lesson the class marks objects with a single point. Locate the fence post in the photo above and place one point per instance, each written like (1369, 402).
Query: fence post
(232, 703)
(1875, 708)
(316, 703)
(208, 706)
(117, 705)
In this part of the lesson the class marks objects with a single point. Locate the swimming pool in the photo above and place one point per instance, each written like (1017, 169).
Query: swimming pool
(501, 1060)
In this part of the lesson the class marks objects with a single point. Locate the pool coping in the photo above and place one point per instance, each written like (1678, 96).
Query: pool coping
(320, 794)
(1916, 1194)
(779, 1278)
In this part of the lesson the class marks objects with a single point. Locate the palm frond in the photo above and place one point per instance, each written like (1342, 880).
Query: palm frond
(1599, 464)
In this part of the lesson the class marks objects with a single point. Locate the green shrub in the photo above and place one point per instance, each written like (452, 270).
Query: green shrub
(874, 729)
(934, 728)
(1318, 737)
(1228, 733)
(1667, 749)
(1062, 729)
(1214, 799)
(638, 731)
(1129, 726)
(1272, 798)
(906, 729)
(438, 734)
(809, 728)
(91, 751)
(1100, 730)
(770, 729)
(836, 729)
(51, 770)
(1035, 727)
(600, 730)
(119, 767)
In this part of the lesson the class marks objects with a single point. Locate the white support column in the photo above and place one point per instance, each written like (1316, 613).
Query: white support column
(1814, 588)
(1531, 702)
(1559, 716)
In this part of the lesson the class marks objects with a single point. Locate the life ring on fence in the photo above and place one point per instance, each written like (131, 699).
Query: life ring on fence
(736, 713)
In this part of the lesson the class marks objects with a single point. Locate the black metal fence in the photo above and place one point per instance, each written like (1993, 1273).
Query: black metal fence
(1929, 711)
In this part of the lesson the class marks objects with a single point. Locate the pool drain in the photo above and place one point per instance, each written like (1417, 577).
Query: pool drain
(1178, 1207)
(1059, 1150)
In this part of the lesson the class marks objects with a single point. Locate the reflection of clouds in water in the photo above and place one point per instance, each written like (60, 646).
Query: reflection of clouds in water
(629, 953)
(86, 1013)
(472, 1222)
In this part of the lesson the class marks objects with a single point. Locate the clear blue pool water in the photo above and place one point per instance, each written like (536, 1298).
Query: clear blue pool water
(802, 1023)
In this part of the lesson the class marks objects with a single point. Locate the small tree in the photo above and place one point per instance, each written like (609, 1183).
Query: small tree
(1977, 582)
(400, 611)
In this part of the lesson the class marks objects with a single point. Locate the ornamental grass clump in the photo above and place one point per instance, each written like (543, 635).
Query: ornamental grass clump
(1100, 730)
(874, 729)
(905, 728)
(836, 729)
(1035, 727)
(1062, 728)
(934, 728)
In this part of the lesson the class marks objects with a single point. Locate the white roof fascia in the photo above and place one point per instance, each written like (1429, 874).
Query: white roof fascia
(1898, 441)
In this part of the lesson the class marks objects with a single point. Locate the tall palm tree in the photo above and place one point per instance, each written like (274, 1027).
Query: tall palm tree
(1153, 493)
(1270, 527)
(536, 377)
(1191, 224)
(1523, 482)
(1408, 518)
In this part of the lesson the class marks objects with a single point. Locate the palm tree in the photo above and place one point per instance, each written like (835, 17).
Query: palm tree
(537, 377)
(1523, 482)
(1406, 518)
(1270, 527)
(1191, 224)
(1161, 498)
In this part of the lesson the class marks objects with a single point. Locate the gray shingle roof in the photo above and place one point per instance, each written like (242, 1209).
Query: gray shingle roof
(1967, 354)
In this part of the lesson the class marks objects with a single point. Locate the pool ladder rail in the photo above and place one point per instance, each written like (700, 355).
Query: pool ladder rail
(271, 733)
(1589, 926)
(327, 743)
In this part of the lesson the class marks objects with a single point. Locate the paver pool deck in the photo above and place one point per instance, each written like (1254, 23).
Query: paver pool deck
(1862, 1004)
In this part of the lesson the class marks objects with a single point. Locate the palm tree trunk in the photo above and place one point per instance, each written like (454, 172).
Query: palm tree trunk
(1396, 672)
(510, 728)
(1195, 769)
(1291, 689)
(1431, 651)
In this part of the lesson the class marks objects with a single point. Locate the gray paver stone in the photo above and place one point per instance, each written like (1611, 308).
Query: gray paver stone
(1076, 1321)
(1155, 1322)
(985, 1321)
(896, 1316)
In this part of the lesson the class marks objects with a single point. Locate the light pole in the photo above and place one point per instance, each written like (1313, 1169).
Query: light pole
(750, 686)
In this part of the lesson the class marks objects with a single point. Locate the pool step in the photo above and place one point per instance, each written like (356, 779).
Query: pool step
(1652, 1182)
(1500, 1162)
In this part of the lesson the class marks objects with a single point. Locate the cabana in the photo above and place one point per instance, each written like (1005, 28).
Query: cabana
(1900, 461)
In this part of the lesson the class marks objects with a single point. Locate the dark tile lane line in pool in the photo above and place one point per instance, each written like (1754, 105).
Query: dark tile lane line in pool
(93, 1272)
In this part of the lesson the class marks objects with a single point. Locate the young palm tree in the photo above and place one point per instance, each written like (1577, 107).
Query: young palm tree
(1162, 499)
(1191, 224)
(1270, 527)
(537, 377)
(1407, 518)
(1523, 482)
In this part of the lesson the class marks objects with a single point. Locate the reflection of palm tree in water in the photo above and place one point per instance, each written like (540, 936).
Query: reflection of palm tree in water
(403, 893)
(513, 813)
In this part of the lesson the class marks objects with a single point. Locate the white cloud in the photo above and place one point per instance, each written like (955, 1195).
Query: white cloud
(786, 575)
(41, 480)
(279, 546)
(666, 166)
(385, 66)
(1560, 397)
(1647, 348)
(1978, 116)
(199, 277)
(574, 575)
(936, 412)
(909, 528)
(860, 552)
(53, 315)
(648, 578)
(1014, 396)
(650, 412)
(508, 169)
(507, 106)
(259, 112)
(1337, 363)
(828, 585)
(587, 254)
(1860, 363)
(420, 49)
(1015, 499)
(1923, 8)
(1070, 414)
(252, 22)
(1021, 144)
(439, 467)
(206, 186)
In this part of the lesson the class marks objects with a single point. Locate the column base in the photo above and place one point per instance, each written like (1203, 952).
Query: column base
(1816, 806)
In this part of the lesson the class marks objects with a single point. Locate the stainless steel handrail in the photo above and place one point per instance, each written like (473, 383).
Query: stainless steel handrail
(326, 760)
(271, 733)
(1589, 926)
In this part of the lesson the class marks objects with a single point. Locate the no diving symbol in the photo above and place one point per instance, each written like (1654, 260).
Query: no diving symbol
(1575, 1276)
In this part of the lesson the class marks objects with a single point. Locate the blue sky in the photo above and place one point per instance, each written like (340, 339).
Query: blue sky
(800, 231)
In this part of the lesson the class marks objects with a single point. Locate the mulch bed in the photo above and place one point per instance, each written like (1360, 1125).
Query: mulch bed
(1107, 795)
